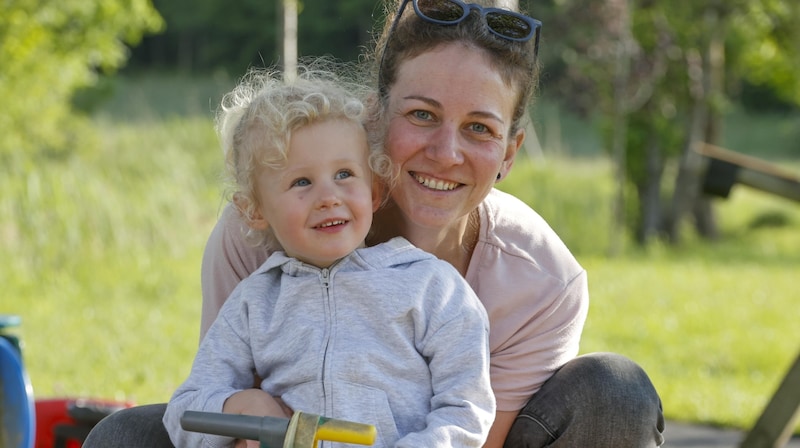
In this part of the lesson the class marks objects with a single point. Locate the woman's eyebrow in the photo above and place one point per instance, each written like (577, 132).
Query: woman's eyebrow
(438, 105)
(424, 99)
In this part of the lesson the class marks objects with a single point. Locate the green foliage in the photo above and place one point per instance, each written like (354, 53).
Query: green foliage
(50, 49)
(766, 44)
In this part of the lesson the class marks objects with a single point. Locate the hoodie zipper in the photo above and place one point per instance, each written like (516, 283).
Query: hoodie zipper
(325, 280)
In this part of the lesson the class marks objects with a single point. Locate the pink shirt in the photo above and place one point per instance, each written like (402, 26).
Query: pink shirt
(533, 289)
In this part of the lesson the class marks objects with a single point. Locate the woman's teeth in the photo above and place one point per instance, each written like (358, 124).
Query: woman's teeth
(436, 184)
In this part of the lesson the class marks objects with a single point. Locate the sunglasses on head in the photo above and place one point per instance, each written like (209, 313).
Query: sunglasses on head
(502, 23)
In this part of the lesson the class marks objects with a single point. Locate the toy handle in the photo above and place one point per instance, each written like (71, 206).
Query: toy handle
(270, 431)
(302, 431)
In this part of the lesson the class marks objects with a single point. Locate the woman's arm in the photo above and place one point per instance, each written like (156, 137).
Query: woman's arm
(227, 260)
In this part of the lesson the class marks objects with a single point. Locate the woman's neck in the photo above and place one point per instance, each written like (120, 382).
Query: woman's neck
(453, 244)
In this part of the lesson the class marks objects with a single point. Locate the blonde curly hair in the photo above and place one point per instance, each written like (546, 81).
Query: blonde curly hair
(255, 122)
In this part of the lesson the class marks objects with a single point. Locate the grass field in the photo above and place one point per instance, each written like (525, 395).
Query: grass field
(100, 256)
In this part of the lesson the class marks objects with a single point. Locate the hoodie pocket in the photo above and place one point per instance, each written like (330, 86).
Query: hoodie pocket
(364, 404)
(347, 401)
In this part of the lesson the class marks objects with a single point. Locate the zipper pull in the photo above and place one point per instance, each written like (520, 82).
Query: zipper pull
(325, 278)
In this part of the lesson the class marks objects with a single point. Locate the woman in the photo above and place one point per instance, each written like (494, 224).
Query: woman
(456, 80)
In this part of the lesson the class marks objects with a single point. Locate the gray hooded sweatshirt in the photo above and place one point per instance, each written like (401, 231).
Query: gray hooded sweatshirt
(389, 335)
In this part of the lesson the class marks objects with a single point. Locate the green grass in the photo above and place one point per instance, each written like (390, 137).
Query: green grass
(100, 256)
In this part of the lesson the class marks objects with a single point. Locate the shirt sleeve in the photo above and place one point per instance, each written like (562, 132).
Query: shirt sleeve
(536, 294)
(228, 259)
(535, 338)
(223, 366)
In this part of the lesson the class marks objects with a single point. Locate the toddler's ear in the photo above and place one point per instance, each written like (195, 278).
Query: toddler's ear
(250, 212)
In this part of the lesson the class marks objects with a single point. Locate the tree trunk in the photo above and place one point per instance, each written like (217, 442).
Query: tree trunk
(650, 206)
(620, 10)
(704, 216)
(289, 38)
(692, 165)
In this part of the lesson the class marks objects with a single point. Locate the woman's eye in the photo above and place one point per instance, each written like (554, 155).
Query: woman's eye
(422, 115)
(301, 183)
(479, 128)
(343, 174)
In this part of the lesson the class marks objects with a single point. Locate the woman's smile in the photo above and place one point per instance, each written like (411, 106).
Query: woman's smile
(435, 184)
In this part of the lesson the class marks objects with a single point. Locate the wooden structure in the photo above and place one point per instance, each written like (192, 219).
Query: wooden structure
(775, 425)
(723, 170)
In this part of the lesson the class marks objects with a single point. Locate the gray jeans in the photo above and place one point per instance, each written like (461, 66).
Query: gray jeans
(596, 400)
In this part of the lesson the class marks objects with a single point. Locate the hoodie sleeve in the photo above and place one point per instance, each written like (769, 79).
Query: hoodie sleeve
(457, 346)
(222, 366)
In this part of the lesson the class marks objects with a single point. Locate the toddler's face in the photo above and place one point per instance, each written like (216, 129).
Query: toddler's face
(320, 204)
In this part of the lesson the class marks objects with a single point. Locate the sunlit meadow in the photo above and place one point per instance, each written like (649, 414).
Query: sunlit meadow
(100, 255)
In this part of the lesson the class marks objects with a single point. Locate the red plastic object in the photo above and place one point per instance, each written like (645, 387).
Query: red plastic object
(65, 422)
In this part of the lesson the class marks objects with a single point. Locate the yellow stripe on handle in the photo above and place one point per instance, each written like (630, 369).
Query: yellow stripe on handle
(305, 430)
(345, 432)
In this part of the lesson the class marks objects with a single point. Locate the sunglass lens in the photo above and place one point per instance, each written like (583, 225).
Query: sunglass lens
(441, 10)
(508, 26)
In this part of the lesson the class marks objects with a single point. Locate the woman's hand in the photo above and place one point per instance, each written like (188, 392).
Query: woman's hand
(255, 402)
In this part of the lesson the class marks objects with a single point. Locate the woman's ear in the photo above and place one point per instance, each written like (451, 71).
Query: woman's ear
(512, 148)
(250, 212)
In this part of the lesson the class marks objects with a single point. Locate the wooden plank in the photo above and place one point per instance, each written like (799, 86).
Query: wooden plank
(716, 152)
(752, 172)
(769, 183)
(776, 424)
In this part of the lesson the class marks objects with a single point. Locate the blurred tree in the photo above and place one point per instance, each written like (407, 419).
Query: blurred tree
(205, 35)
(736, 41)
(50, 49)
(679, 69)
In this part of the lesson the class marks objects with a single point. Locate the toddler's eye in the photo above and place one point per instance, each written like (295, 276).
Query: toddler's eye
(343, 174)
(301, 182)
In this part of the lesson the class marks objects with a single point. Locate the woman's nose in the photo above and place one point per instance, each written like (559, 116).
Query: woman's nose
(445, 147)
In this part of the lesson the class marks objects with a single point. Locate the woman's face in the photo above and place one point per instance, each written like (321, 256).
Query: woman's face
(449, 116)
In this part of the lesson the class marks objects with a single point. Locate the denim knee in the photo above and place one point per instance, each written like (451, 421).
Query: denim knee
(599, 399)
(133, 427)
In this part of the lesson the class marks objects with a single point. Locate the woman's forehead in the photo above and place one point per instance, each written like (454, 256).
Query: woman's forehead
(452, 71)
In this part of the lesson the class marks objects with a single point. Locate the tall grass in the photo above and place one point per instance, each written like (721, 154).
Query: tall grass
(100, 256)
